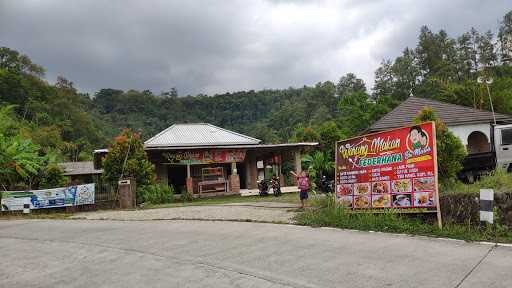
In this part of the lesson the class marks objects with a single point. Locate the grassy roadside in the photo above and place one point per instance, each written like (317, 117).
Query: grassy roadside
(325, 214)
(20, 216)
(499, 180)
(284, 198)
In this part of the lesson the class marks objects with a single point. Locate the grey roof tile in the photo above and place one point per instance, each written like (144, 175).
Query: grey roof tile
(198, 134)
(450, 114)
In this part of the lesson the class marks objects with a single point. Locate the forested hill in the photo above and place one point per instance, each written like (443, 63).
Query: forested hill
(69, 124)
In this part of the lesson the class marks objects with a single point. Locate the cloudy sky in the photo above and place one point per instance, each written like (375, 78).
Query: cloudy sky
(219, 46)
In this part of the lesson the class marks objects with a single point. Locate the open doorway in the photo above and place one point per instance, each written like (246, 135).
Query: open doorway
(177, 175)
(240, 168)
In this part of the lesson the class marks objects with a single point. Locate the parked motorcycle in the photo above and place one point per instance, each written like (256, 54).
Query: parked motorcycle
(276, 186)
(263, 188)
(326, 186)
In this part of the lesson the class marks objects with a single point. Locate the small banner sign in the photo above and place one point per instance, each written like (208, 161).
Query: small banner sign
(205, 156)
(48, 198)
(390, 169)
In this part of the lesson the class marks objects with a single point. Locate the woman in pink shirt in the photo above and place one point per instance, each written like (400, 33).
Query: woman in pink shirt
(303, 184)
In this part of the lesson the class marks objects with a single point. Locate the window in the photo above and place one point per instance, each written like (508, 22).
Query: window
(506, 136)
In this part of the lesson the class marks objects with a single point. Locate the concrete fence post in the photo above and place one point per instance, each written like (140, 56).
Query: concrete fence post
(486, 205)
(26, 206)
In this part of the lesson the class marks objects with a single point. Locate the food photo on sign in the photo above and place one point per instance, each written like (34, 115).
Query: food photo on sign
(389, 169)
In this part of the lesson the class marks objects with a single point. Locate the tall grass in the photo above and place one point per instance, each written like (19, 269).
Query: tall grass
(499, 180)
(327, 214)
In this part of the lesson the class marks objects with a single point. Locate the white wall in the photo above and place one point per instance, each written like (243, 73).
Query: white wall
(462, 131)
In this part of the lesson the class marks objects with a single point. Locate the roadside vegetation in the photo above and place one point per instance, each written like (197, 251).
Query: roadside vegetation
(36, 215)
(325, 213)
(499, 180)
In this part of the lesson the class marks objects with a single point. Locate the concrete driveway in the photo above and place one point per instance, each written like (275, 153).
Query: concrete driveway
(85, 253)
(251, 211)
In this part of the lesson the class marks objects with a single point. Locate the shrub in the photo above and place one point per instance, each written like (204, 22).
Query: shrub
(52, 177)
(391, 221)
(499, 180)
(155, 194)
(318, 164)
(450, 151)
(127, 158)
(186, 196)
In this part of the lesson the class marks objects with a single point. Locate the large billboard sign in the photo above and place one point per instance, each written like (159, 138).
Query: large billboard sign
(390, 169)
(48, 198)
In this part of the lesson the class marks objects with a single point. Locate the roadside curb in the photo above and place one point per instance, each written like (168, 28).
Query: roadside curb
(426, 237)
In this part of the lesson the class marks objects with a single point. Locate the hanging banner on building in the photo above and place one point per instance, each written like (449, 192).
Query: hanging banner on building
(48, 198)
(205, 156)
(390, 169)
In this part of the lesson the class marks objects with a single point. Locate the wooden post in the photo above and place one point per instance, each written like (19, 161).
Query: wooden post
(190, 187)
(438, 205)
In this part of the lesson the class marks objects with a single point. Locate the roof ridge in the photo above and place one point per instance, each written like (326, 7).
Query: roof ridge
(161, 132)
(233, 132)
(459, 106)
(224, 134)
(450, 113)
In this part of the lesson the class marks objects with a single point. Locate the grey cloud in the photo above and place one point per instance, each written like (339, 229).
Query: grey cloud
(218, 46)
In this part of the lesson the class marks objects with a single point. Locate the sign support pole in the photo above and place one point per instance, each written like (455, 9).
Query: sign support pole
(438, 205)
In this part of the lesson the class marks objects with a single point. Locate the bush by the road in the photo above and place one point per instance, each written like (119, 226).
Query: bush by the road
(450, 151)
(460, 202)
(155, 194)
(499, 180)
(327, 214)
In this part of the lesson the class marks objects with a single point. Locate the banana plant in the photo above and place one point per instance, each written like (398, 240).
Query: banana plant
(19, 160)
(317, 165)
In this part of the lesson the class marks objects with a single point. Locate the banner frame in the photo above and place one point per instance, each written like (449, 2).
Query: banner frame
(435, 170)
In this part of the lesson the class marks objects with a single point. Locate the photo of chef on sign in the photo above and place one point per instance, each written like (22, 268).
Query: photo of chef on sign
(389, 169)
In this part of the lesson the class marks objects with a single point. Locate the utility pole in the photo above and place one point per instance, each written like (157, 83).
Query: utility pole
(487, 81)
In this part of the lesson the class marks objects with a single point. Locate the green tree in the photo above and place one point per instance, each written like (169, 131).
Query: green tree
(305, 134)
(52, 176)
(349, 84)
(318, 164)
(328, 133)
(14, 61)
(467, 54)
(436, 54)
(354, 112)
(384, 80)
(127, 159)
(19, 161)
(505, 39)
(450, 151)
(405, 75)
(486, 51)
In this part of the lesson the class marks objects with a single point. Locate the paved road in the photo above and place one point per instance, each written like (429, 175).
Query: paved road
(84, 253)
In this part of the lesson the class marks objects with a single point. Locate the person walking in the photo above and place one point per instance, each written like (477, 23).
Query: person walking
(303, 184)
